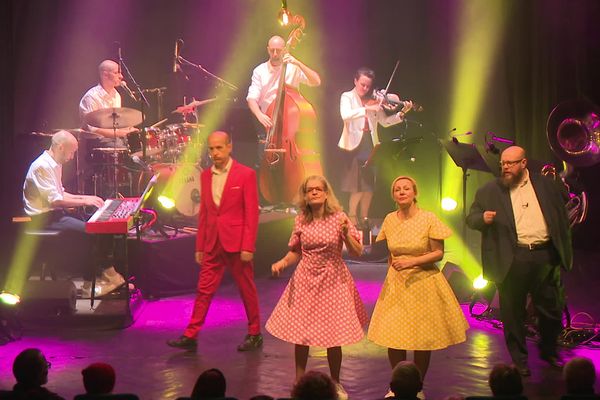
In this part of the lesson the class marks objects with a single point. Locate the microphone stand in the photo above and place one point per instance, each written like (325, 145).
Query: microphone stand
(142, 96)
(222, 81)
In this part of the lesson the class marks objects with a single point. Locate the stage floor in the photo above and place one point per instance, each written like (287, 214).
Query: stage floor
(145, 365)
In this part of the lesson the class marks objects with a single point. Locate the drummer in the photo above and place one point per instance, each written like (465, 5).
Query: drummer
(105, 95)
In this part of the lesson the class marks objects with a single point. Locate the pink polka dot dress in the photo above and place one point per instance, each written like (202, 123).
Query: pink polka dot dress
(416, 308)
(320, 305)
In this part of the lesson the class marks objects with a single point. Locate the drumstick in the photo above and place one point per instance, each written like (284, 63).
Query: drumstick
(162, 121)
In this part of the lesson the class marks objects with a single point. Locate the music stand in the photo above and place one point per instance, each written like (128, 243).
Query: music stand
(466, 156)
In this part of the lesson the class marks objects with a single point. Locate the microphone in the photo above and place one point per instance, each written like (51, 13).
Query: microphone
(176, 66)
(128, 91)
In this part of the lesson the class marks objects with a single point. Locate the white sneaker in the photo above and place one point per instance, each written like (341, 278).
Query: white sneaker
(421, 395)
(341, 392)
(389, 394)
(112, 276)
(101, 288)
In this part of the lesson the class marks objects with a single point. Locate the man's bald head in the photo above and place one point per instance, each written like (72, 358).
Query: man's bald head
(513, 153)
(63, 147)
(107, 65)
(513, 164)
(276, 49)
(110, 74)
(220, 135)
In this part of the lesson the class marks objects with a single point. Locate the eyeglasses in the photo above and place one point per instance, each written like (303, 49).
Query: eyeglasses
(311, 189)
(507, 163)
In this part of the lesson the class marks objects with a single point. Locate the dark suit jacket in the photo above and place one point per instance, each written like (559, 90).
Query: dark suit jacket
(499, 239)
(235, 221)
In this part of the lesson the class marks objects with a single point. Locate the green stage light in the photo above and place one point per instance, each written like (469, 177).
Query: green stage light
(479, 283)
(449, 204)
(9, 299)
(166, 202)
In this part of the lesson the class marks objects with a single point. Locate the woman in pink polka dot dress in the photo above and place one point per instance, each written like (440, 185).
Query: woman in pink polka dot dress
(416, 309)
(320, 305)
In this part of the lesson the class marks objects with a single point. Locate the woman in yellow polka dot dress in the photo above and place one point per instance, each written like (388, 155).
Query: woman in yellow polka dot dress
(416, 309)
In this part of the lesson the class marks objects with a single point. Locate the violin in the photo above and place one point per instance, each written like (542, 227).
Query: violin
(391, 102)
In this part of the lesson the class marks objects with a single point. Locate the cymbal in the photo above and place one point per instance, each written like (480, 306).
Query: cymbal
(192, 125)
(189, 108)
(117, 117)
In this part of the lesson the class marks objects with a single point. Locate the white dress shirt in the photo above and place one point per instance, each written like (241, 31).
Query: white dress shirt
(529, 219)
(219, 177)
(265, 82)
(43, 185)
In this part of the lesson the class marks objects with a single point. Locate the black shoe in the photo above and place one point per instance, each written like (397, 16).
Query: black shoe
(251, 342)
(554, 361)
(523, 369)
(183, 342)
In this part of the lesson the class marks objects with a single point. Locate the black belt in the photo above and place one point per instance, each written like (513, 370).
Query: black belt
(535, 246)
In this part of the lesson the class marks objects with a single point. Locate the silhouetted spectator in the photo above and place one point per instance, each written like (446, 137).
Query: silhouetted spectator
(210, 384)
(315, 385)
(579, 375)
(30, 369)
(262, 397)
(98, 378)
(406, 380)
(505, 380)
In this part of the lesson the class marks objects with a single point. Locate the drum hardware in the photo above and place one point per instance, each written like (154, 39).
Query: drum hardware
(114, 118)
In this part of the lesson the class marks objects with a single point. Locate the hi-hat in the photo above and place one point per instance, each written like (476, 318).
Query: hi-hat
(110, 118)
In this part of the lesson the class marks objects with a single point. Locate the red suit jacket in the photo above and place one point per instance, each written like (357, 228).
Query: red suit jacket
(235, 221)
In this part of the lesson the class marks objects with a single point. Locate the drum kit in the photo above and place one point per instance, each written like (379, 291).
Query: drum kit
(174, 151)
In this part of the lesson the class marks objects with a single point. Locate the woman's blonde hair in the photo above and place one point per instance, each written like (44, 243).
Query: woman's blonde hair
(408, 178)
(331, 206)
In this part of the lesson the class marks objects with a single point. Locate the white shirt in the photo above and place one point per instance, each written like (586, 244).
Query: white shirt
(529, 220)
(265, 82)
(218, 181)
(95, 99)
(43, 185)
(353, 114)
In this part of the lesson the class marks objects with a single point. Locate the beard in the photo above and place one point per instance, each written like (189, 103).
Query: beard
(509, 179)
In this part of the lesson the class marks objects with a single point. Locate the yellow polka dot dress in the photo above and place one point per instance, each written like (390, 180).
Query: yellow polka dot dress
(416, 309)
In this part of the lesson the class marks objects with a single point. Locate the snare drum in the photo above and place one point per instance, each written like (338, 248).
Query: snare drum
(110, 155)
(154, 143)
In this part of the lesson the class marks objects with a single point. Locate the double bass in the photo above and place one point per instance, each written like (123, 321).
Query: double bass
(282, 170)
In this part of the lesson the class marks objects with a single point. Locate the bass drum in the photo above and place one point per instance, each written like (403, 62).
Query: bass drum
(180, 182)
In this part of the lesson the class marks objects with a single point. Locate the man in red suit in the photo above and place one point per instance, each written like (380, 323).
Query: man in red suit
(227, 228)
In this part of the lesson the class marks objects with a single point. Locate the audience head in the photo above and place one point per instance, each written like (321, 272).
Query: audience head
(30, 368)
(315, 191)
(579, 375)
(262, 397)
(406, 380)
(314, 385)
(98, 378)
(211, 383)
(505, 380)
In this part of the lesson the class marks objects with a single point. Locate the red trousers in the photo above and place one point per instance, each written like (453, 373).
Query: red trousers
(211, 273)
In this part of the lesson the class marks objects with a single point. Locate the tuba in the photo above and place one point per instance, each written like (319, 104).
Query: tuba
(573, 131)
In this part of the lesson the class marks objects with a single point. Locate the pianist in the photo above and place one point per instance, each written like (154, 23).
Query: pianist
(46, 201)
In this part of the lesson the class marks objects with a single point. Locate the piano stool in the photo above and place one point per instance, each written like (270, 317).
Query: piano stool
(45, 255)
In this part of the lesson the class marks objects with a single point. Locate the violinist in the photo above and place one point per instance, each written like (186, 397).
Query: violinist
(265, 80)
(361, 114)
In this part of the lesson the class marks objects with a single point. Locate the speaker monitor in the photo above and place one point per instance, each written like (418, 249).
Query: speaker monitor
(48, 297)
(461, 285)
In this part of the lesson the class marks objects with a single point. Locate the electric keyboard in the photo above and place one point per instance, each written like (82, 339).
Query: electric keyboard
(115, 217)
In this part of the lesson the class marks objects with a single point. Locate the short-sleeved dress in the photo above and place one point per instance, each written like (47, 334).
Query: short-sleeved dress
(416, 309)
(320, 305)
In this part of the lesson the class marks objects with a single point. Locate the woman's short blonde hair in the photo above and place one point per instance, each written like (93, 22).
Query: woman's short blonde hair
(408, 178)
(332, 205)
